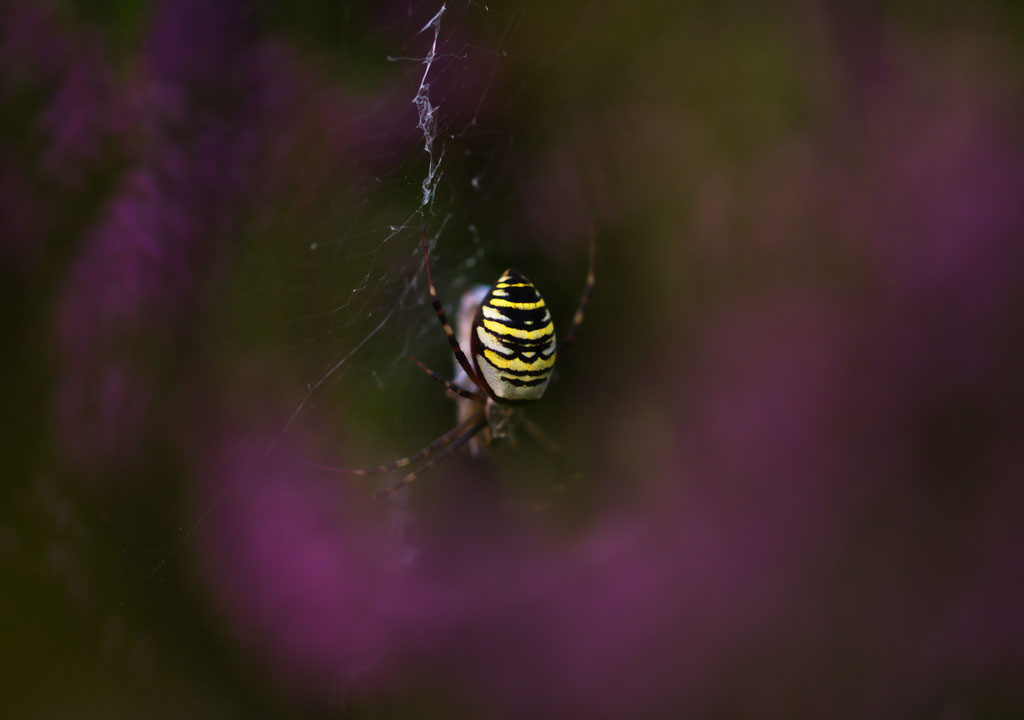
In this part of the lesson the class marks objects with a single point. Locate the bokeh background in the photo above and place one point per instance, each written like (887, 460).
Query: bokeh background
(796, 399)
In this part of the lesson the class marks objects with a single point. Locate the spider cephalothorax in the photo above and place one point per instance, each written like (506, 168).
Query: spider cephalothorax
(512, 341)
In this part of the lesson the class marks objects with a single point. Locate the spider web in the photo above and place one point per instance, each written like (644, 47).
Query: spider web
(428, 125)
(369, 326)
(356, 274)
(359, 268)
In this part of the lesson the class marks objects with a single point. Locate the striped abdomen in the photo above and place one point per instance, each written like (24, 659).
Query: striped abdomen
(514, 340)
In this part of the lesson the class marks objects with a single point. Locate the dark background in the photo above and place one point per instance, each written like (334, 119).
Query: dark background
(796, 398)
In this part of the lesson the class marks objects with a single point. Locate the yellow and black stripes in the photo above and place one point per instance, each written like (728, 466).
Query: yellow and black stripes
(513, 349)
(513, 342)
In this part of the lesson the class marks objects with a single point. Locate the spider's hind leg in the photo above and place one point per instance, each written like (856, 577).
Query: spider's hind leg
(466, 436)
(440, 445)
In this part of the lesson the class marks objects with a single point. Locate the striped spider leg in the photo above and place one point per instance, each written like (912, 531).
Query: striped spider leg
(446, 445)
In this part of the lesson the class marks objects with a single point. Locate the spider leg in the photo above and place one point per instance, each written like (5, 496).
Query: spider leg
(588, 289)
(469, 395)
(549, 446)
(429, 450)
(478, 423)
(459, 355)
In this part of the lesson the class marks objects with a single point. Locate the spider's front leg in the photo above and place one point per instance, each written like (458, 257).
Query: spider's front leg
(445, 325)
(456, 389)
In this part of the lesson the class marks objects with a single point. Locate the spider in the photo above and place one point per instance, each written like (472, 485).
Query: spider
(512, 342)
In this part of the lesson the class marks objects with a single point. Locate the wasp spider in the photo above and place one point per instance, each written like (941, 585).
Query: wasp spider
(512, 342)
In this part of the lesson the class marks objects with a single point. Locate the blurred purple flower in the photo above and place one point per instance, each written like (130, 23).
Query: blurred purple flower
(220, 121)
(834, 532)
(835, 528)
(68, 71)
(81, 116)
(295, 572)
(138, 274)
(43, 65)
(32, 44)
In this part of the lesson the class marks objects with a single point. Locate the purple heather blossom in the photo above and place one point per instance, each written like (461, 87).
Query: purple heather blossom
(205, 114)
(830, 523)
(302, 580)
(829, 536)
